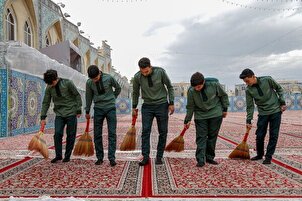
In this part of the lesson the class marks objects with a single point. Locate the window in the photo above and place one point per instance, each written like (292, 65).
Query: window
(47, 39)
(27, 34)
(10, 25)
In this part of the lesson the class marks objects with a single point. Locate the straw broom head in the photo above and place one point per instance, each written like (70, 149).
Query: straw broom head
(177, 144)
(78, 148)
(242, 150)
(37, 143)
(43, 147)
(84, 145)
(33, 144)
(129, 141)
(89, 146)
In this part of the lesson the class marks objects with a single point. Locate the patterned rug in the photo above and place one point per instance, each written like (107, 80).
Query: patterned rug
(26, 174)
(231, 178)
(82, 178)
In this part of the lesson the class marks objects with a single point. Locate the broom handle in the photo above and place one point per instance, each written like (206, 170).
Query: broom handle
(87, 125)
(134, 117)
(246, 134)
(183, 131)
(42, 128)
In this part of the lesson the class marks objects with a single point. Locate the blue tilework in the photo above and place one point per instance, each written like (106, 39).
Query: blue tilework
(16, 103)
(34, 88)
(180, 104)
(3, 103)
(123, 106)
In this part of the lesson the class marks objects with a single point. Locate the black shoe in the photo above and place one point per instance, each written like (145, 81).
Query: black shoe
(158, 161)
(267, 161)
(112, 163)
(55, 160)
(98, 162)
(200, 164)
(211, 161)
(256, 158)
(144, 162)
(65, 160)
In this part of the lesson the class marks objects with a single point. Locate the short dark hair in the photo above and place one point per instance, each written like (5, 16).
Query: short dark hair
(246, 73)
(144, 62)
(197, 79)
(50, 76)
(93, 71)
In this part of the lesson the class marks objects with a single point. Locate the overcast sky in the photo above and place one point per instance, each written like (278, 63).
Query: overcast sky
(218, 38)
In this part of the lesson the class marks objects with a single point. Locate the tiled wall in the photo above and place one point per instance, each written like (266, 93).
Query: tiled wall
(3, 103)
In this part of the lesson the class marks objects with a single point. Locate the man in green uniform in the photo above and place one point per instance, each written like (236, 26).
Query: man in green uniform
(99, 88)
(209, 104)
(158, 101)
(67, 107)
(268, 95)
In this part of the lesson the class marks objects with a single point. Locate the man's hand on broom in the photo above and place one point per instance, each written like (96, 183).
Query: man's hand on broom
(87, 116)
(187, 126)
(171, 109)
(134, 112)
(249, 126)
(283, 108)
(43, 122)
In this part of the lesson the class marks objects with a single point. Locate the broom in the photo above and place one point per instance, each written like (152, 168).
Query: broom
(177, 143)
(37, 143)
(242, 150)
(84, 145)
(129, 141)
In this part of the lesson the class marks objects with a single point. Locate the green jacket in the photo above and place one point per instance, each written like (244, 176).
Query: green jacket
(66, 98)
(102, 100)
(267, 94)
(208, 103)
(156, 94)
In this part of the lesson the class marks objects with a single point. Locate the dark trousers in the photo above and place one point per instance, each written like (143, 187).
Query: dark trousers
(274, 121)
(71, 130)
(99, 116)
(160, 112)
(206, 136)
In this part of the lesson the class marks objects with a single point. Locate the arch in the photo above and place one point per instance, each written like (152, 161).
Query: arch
(86, 60)
(76, 42)
(48, 40)
(28, 33)
(10, 25)
(54, 33)
(96, 62)
(32, 20)
(23, 13)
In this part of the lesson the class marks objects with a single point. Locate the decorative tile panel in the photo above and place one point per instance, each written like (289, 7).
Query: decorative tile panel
(123, 106)
(298, 98)
(239, 104)
(16, 103)
(180, 104)
(3, 103)
(32, 102)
